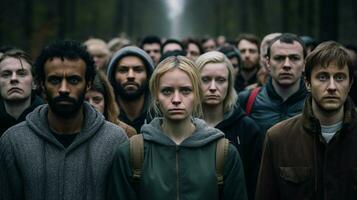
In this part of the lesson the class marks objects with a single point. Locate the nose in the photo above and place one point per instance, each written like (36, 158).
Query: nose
(287, 64)
(14, 78)
(130, 74)
(332, 85)
(176, 99)
(212, 86)
(64, 89)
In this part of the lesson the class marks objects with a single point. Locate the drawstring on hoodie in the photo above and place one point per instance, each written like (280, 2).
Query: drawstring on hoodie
(44, 170)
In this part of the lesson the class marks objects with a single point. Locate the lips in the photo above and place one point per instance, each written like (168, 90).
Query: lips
(15, 89)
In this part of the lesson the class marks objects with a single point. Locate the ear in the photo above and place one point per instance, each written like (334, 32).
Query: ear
(267, 60)
(88, 86)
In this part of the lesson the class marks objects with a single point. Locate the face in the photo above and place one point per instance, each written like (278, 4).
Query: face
(214, 78)
(249, 54)
(154, 50)
(329, 87)
(100, 56)
(192, 51)
(65, 86)
(176, 98)
(96, 99)
(209, 45)
(172, 47)
(235, 64)
(16, 80)
(131, 78)
(286, 63)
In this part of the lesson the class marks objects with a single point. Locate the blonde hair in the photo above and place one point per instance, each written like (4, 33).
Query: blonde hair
(187, 66)
(230, 100)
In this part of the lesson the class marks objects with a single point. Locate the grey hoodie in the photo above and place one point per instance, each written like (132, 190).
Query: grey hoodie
(35, 165)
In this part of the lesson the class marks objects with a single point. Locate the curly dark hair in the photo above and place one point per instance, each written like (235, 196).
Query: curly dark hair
(64, 49)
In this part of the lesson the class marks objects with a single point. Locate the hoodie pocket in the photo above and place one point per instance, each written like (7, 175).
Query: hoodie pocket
(296, 182)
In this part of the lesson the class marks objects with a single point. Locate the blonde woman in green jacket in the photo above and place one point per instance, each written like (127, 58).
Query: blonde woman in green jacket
(179, 150)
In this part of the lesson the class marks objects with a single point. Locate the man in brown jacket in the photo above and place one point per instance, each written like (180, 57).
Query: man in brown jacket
(312, 155)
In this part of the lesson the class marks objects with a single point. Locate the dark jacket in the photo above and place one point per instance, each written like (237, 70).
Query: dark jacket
(131, 51)
(244, 133)
(6, 120)
(240, 83)
(170, 171)
(297, 163)
(35, 165)
(269, 108)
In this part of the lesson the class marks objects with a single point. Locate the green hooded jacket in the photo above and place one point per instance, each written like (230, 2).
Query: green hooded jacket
(170, 171)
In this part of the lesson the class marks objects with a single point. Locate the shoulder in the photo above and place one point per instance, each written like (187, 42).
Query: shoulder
(285, 129)
(112, 131)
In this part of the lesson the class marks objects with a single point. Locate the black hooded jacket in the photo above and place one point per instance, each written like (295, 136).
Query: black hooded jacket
(244, 133)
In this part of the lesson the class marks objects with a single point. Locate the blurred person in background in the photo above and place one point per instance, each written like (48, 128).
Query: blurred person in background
(99, 50)
(101, 96)
(152, 46)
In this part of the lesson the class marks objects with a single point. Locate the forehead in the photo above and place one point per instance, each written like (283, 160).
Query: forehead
(57, 66)
(245, 44)
(11, 63)
(175, 77)
(151, 46)
(193, 47)
(130, 61)
(281, 48)
(332, 68)
(172, 47)
(214, 69)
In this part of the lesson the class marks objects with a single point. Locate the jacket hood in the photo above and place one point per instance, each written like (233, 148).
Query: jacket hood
(37, 121)
(231, 117)
(129, 51)
(202, 135)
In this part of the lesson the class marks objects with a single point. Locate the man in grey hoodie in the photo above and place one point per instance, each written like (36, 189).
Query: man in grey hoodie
(129, 72)
(64, 149)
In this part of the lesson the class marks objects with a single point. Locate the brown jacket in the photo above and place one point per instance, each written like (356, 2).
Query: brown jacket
(297, 163)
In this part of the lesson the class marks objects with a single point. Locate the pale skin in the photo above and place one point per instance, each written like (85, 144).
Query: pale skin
(65, 70)
(214, 77)
(176, 99)
(16, 84)
(329, 88)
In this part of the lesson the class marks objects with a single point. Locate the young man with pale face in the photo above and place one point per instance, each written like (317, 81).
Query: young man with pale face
(152, 46)
(16, 84)
(284, 93)
(66, 142)
(314, 151)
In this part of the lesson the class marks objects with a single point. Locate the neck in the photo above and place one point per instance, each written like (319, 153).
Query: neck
(15, 109)
(213, 114)
(286, 92)
(132, 108)
(65, 126)
(248, 74)
(327, 118)
(178, 131)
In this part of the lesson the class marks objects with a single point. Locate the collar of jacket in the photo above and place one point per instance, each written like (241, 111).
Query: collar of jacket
(312, 124)
(301, 93)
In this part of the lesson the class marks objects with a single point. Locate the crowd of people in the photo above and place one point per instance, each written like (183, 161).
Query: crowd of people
(179, 119)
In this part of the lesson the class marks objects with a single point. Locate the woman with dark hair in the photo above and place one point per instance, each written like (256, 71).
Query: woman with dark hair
(101, 96)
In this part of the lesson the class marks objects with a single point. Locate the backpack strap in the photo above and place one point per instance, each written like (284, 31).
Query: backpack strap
(221, 154)
(136, 150)
(251, 99)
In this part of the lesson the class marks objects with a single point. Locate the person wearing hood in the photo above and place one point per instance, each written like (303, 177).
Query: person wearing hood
(179, 149)
(17, 98)
(64, 148)
(129, 72)
(220, 111)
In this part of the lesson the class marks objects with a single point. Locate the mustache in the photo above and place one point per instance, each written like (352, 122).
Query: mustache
(64, 98)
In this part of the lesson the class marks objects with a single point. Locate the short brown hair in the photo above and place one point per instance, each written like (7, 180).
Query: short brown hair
(327, 53)
(249, 37)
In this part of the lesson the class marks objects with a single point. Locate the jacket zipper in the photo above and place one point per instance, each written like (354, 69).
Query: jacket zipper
(177, 174)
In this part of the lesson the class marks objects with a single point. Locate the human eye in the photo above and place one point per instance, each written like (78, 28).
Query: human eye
(122, 69)
(186, 90)
(139, 69)
(322, 77)
(166, 91)
(279, 58)
(22, 72)
(74, 80)
(5, 74)
(294, 58)
(205, 79)
(54, 80)
(340, 77)
(97, 99)
(221, 80)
